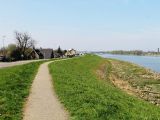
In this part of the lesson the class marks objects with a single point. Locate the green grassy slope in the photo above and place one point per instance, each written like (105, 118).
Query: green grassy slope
(87, 97)
(14, 88)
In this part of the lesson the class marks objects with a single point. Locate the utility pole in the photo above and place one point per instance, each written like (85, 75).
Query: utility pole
(3, 39)
(44, 55)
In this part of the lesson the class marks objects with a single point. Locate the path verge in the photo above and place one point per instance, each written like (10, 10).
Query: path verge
(43, 103)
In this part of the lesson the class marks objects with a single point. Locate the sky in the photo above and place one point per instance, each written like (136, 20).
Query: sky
(91, 25)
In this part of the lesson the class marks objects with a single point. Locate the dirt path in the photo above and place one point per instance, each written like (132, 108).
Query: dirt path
(42, 103)
(10, 64)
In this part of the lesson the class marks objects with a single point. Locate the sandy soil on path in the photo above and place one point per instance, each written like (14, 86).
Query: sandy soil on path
(43, 103)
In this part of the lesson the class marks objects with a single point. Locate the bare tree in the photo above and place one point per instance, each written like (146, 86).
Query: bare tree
(24, 42)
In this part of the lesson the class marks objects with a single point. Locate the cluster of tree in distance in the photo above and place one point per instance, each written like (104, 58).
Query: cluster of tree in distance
(23, 48)
(134, 52)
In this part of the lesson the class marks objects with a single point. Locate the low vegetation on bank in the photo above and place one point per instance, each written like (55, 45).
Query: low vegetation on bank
(15, 83)
(138, 80)
(90, 97)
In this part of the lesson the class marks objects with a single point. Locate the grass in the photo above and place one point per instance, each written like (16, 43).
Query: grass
(15, 83)
(87, 97)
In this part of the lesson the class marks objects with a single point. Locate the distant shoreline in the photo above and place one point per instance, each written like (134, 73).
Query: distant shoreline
(145, 54)
(134, 54)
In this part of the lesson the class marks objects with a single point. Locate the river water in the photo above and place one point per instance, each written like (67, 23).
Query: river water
(150, 62)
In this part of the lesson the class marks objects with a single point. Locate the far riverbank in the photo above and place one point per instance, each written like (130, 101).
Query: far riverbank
(150, 62)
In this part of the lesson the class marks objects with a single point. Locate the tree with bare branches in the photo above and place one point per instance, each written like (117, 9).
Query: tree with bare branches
(24, 42)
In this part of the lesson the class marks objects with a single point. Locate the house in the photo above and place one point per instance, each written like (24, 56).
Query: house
(50, 53)
(41, 54)
(47, 53)
(71, 53)
(55, 54)
(33, 55)
(36, 54)
(1, 58)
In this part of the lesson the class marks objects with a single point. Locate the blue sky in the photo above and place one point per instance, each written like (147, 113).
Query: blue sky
(84, 24)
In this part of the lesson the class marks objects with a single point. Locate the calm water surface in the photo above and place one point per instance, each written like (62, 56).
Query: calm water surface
(145, 61)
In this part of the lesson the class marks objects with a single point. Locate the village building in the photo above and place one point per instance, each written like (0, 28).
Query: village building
(35, 54)
(55, 54)
(1, 56)
(71, 53)
(44, 54)
(41, 54)
(47, 53)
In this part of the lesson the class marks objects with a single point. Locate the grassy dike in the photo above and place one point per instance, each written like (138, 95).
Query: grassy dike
(88, 97)
(15, 83)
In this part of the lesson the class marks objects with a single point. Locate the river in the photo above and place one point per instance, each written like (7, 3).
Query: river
(150, 62)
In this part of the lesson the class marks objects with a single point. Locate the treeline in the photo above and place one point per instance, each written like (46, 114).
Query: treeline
(24, 49)
(20, 50)
(122, 52)
(133, 52)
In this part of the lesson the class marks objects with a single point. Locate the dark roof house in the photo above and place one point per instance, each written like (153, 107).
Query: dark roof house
(42, 54)
(47, 53)
(2, 56)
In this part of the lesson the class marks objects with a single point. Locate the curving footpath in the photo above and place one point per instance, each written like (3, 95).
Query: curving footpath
(43, 103)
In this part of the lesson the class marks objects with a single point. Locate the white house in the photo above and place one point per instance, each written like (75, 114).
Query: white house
(71, 53)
